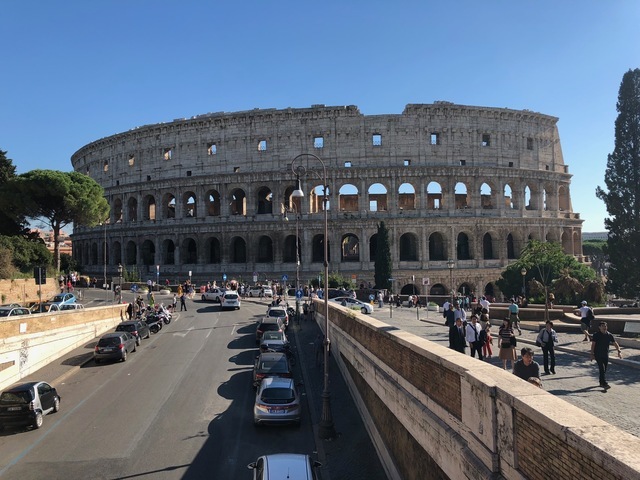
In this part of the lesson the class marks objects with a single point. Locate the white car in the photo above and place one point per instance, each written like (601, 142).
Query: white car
(230, 300)
(71, 306)
(213, 295)
(284, 465)
(258, 291)
(268, 292)
(353, 303)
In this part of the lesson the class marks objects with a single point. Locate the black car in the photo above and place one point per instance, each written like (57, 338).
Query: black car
(114, 346)
(136, 328)
(268, 324)
(271, 364)
(27, 404)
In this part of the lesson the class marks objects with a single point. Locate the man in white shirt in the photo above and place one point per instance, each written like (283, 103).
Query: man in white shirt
(485, 303)
(472, 334)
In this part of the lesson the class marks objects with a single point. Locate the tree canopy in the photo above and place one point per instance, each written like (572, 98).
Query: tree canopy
(58, 198)
(10, 222)
(622, 195)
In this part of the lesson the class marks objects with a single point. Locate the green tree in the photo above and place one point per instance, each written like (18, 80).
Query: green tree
(10, 223)
(26, 253)
(622, 195)
(383, 266)
(57, 198)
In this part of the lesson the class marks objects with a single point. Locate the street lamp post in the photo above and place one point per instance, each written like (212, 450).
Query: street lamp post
(294, 208)
(451, 264)
(326, 428)
(523, 272)
(120, 282)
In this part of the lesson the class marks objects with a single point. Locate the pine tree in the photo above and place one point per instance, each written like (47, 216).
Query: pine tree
(622, 197)
(383, 259)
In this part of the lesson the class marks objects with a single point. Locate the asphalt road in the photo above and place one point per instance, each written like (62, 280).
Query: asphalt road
(179, 407)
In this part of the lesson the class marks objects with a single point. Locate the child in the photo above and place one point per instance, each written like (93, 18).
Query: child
(487, 351)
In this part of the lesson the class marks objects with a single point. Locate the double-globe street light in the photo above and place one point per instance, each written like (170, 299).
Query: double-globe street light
(326, 428)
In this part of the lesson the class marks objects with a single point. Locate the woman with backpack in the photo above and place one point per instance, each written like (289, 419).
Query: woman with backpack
(586, 315)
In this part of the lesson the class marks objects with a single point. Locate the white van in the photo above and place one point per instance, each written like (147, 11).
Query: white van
(284, 465)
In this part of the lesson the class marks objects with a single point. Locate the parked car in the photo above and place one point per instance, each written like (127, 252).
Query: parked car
(353, 303)
(13, 311)
(254, 291)
(284, 465)
(137, 328)
(268, 324)
(44, 307)
(270, 364)
(27, 404)
(71, 306)
(274, 341)
(268, 292)
(213, 295)
(114, 346)
(63, 298)
(10, 305)
(277, 401)
(230, 300)
(279, 311)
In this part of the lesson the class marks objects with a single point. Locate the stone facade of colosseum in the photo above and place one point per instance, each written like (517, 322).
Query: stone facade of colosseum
(212, 195)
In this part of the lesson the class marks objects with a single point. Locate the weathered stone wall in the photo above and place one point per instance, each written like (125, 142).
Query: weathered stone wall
(442, 414)
(206, 194)
(25, 290)
(30, 342)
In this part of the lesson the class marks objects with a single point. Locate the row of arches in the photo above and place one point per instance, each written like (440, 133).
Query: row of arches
(488, 196)
(291, 249)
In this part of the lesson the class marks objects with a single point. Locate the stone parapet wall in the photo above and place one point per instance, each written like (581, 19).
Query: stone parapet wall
(31, 342)
(442, 414)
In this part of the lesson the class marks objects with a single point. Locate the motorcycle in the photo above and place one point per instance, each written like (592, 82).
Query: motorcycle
(164, 314)
(154, 322)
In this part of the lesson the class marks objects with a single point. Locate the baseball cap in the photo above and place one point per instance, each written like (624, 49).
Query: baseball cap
(584, 302)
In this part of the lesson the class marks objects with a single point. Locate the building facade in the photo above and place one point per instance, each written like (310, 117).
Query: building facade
(461, 190)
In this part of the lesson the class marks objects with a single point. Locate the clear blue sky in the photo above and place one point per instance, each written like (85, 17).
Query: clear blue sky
(75, 71)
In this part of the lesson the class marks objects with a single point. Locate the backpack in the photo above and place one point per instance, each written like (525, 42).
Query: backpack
(590, 315)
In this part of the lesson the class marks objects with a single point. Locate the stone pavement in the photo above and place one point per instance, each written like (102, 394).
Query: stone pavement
(576, 380)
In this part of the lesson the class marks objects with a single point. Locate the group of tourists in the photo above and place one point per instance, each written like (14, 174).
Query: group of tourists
(476, 333)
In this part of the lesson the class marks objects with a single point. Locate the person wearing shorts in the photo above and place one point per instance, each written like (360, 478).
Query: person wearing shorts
(513, 316)
(585, 320)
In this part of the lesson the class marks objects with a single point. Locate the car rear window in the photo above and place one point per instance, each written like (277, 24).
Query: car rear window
(277, 313)
(23, 396)
(273, 336)
(125, 328)
(231, 296)
(274, 366)
(277, 395)
(109, 342)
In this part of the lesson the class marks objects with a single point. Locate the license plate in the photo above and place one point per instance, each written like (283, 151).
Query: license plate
(14, 409)
(108, 349)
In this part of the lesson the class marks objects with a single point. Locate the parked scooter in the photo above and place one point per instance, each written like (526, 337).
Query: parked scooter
(164, 314)
(154, 322)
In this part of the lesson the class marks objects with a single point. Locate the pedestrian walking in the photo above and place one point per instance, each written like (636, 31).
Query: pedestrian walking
(586, 316)
(507, 343)
(547, 338)
(183, 304)
(380, 300)
(600, 342)
(514, 317)
(487, 347)
(457, 337)
(473, 331)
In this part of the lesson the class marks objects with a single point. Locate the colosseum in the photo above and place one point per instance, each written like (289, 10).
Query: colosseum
(461, 190)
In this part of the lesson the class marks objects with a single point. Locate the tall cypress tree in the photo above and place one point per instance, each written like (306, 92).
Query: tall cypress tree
(622, 198)
(383, 258)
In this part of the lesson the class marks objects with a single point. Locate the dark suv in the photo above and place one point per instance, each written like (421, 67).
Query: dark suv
(136, 328)
(27, 404)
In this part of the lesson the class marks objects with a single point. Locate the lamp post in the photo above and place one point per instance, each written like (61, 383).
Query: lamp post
(294, 208)
(523, 272)
(326, 428)
(158, 277)
(451, 264)
(104, 253)
(120, 281)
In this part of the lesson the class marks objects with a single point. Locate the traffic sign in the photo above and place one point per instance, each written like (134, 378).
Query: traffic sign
(285, 278)
(299, 294)
(371, 297)
(224, 277)
(426, 281)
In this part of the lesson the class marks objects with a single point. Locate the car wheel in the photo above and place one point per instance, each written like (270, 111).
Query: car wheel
(149, 334)
(137, 342)
(363, 310)
(56, 405)
(37, 421)
(124, 356)
(135, 347)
